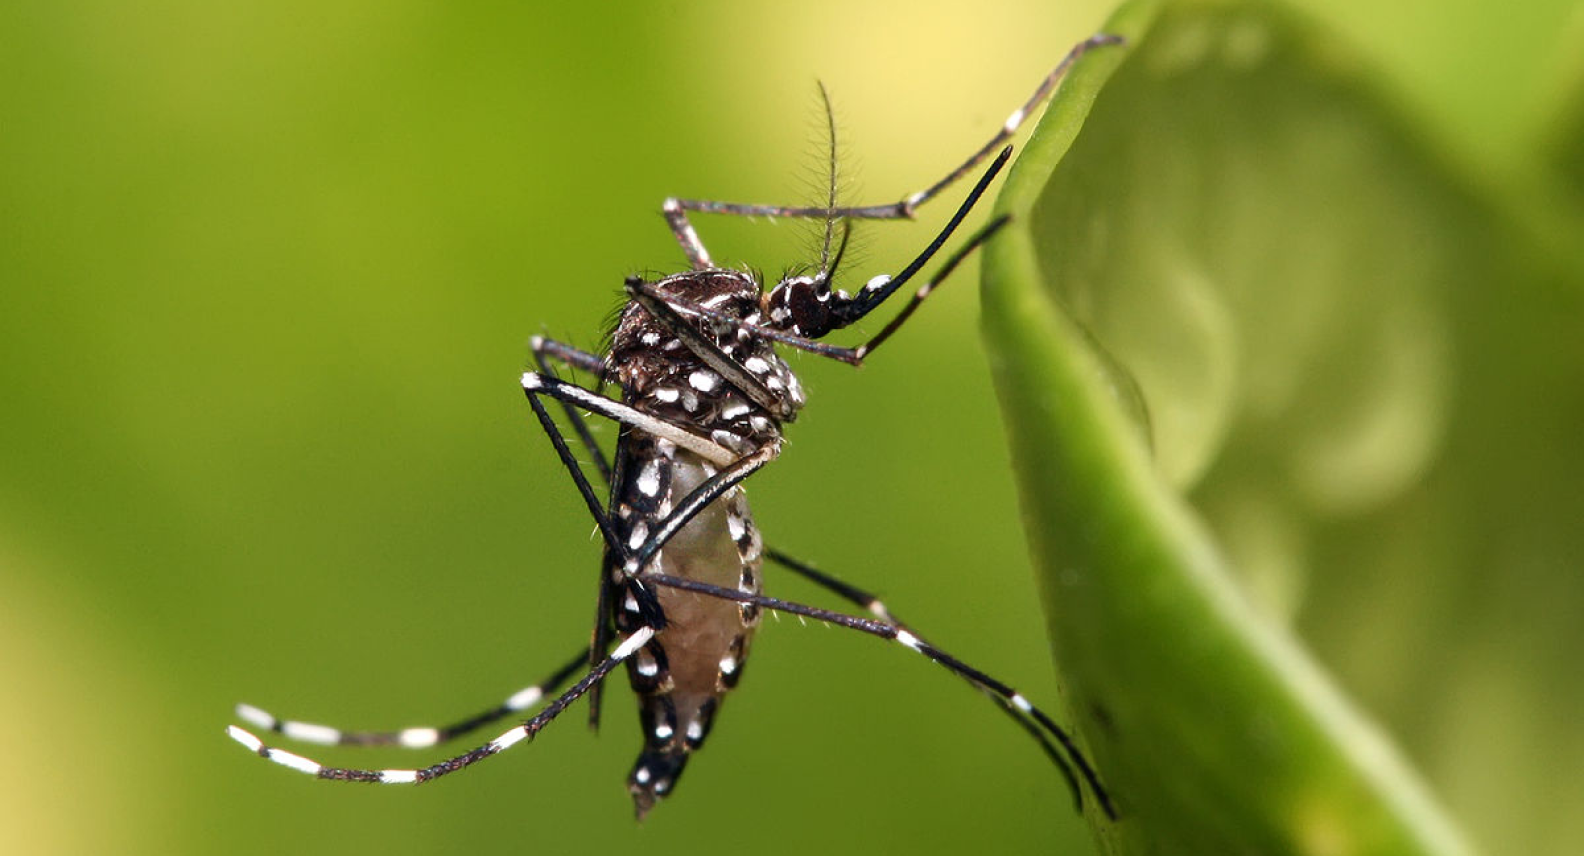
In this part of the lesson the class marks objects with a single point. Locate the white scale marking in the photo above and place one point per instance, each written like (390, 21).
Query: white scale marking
(294, 761)
(695, 731)
(666, 394)
(256, 716)
(640, 532)
(663, 732)
(1014, 120)
(647, 665)
(533, 382)
(509, 739)
(728, 664)
(308, 732)
(252, 743)
(733, 411)
(641, 775)
(639, 639)
(649, 479)
(525, 698)
(418, 738)
(757, 365)
(908, 639)
(398, 777)
(878, 282)
(704, 381)
(1022, 703)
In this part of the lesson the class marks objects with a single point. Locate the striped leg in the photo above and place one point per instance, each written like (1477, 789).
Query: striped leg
(545, 350)
(411, 738)
(893, 632)
(500, 744)
(872, 605)
(535, 384)
(675, 210)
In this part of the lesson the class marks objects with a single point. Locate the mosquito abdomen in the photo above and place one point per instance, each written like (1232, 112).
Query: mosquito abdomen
(682, 675)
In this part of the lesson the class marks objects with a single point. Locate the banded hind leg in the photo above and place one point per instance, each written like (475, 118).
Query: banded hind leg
(508, 739)
(419, 737)
(890, 631)
(1058, 752)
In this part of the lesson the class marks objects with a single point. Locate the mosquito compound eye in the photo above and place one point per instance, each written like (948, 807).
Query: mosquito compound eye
(808, 305)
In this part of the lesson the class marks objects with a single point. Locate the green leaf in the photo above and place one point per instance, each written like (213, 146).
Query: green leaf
(1220, 327)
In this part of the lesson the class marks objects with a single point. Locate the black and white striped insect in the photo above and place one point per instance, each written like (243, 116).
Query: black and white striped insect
(703, 396)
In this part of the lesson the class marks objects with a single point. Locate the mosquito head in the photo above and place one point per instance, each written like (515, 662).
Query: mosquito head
(801, 305)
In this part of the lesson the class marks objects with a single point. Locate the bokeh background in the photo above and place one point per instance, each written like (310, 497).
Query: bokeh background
(266, 281)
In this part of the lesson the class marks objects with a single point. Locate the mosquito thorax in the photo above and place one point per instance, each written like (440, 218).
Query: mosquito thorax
(662, 376)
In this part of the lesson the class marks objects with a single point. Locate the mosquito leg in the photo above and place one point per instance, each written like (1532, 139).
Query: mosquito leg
(871, 603)
(567, 355)
(500, 744)
(909, 640)
(675, 209)
(545, 350)
(535, 384)
(1013, 122)
(412, 738)
(854, 595)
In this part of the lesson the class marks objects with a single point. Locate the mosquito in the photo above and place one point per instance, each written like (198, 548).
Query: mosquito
(703, 397)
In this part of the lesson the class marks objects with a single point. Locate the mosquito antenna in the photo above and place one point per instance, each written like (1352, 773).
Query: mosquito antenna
(829, 272)
(826, 264)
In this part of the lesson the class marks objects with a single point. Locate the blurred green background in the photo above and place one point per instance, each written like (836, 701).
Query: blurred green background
(267, 278)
